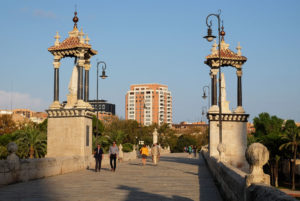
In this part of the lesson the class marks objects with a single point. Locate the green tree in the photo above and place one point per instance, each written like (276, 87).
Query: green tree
(185, 140)
(268, 131)
(96, 122)
(7, 125)
(32, 143)
(291, 136)
(42, 127)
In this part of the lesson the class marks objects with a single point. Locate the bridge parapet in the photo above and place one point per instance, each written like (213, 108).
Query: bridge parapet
(242, 185)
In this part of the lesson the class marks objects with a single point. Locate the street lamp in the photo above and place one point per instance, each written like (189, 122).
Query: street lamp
(209, 38)
(204, 111)
(204, 96)
(103, 76)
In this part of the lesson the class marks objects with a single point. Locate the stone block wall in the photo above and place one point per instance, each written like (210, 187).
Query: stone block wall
(232, 183)
(29, 169)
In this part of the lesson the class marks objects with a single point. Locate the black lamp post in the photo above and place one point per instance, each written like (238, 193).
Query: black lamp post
(103, 76)
(209, 38)
(204, 96)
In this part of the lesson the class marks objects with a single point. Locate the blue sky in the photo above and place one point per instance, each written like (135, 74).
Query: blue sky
(157, 41)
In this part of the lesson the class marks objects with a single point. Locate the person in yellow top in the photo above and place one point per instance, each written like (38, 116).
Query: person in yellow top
(144, 152)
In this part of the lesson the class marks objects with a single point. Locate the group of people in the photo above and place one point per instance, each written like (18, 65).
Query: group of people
(155, 152)
(192, 149)
(113, 155)
(114, 152)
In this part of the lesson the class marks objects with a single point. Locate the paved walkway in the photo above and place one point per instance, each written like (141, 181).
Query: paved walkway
(175, 178)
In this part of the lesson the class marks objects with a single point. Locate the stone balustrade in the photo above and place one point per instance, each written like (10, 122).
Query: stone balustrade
(238, 185)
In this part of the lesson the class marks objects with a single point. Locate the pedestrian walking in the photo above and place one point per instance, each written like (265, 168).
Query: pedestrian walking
(98, 155)
(195, 151)
(190, 149)
(144, 153)
(113, 154)
(154, 152)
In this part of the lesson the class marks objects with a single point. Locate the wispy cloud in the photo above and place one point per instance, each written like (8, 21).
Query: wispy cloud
(40, 13)
(21, 100)
(44, 14)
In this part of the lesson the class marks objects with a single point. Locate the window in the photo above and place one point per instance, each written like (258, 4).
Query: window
(87, 136)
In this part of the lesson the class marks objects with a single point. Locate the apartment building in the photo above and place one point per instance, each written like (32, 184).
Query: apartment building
(148, 104)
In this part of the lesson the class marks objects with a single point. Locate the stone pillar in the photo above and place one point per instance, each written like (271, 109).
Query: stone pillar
(80, 83)
(239, 108)
(213, 75)
(87, 67)
(80, 65)
(239, 87)
(56, 65)
(56, 84)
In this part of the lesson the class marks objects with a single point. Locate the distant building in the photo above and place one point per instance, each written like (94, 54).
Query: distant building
(24, 112)
(250, 128)
(38, 117)
(185, 126)
(20, 116)
(105, 110)
(5, 112)
(148, 104)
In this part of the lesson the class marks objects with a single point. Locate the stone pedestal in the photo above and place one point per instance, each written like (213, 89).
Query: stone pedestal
(234, 137)
(69, 132)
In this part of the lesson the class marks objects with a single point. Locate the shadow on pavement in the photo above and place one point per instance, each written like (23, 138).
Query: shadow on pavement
(208, 189)
(137, 194)
(191, 161)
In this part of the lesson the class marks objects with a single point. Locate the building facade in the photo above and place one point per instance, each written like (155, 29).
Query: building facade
(148, 104)
(105, 110)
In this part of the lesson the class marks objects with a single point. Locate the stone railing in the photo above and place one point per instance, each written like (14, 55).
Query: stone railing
(14, 170)
(237, 185)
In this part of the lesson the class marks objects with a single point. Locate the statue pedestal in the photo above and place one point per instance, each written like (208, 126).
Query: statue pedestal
(69, 132)
(234, 136)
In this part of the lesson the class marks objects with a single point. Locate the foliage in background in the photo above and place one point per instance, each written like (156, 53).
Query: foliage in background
(127, 147)
(268, 130)
(7, 125)
(30, 138)
(291, 138)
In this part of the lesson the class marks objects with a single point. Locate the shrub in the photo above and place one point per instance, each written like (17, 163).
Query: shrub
(127, 147)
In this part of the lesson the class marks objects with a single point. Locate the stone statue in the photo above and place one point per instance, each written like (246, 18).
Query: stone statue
(225, 103)
(73, 82)
(121, 154)
(72, 96)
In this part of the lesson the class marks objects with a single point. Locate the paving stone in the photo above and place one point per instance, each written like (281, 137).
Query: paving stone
(175, 178)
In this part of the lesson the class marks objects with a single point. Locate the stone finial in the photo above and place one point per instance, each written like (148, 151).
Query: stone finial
(214, 48)
(221, 149)
(239, 49)
(12, 147)
(257, 156)
(12, 159)
(81, 34)
(57, 37)
(224, 46)
(87, 39)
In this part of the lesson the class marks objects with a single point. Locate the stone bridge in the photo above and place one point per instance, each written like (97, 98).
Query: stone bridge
(175, 178)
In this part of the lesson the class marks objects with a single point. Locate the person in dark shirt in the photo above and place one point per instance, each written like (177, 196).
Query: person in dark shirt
(98, 154)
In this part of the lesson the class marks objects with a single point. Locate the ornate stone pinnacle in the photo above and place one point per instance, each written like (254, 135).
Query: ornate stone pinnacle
(239, 49)
(214, 48)
(75, 19)
(57, 37)
(81, 34)
(87, 39)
